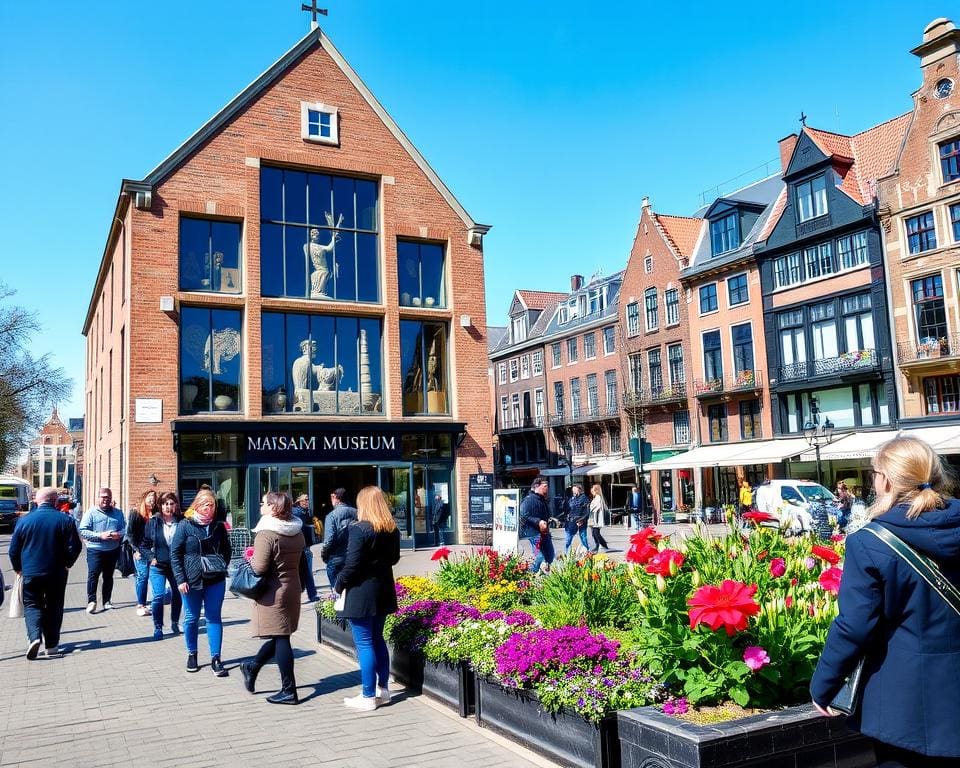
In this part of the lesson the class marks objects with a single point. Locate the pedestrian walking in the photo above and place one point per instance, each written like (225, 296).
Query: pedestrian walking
(155, 548)
(277, 549)
(535, 524)
(373, 548)
(634, 509)
(441, 516)
(578, 511)
(903, 628)
(136, 523)
(302, 511)
(745, 496)
(102, 529)
(335, 534)
(199, 554)
(43, 548)
(599, 511)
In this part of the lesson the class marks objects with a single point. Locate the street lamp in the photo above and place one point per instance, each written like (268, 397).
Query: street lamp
(818, 434)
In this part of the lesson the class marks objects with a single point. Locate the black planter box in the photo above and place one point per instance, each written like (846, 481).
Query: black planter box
(451, 684)
(336, 636)
(798, 737)
(564, 737)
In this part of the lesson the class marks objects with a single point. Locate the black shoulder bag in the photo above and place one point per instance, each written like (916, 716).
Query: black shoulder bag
(848, 699)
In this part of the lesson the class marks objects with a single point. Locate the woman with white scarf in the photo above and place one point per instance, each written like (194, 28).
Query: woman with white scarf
(277, 550)
(598, 518)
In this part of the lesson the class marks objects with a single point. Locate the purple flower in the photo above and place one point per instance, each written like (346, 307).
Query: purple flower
(526, 657)
(755, 657)
(678, 706)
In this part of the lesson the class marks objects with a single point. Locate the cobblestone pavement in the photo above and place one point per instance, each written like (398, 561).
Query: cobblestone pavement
(118, 698)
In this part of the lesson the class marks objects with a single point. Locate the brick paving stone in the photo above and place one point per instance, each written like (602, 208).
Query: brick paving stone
(113, 696)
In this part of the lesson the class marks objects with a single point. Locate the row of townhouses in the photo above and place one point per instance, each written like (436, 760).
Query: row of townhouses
(784, 329)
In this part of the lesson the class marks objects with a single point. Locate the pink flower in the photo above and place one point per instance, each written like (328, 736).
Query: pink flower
(678, 706)
(665, 563)
(830, 579)
(755, 657)
(778, 567)
(248, 553)
(810, 563)
(788, 601)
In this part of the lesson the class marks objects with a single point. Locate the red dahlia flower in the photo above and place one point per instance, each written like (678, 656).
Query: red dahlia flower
(826, 554)
(441, 554)
(660, 563)
(830, 580)
(758, 517)
(641, 552)
(728, 606)
(647, 534)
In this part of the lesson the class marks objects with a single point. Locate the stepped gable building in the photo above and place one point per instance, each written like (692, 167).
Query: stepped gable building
(52, 456)
(655, 352)
(520, 390)
(292, 300)
(828, 347)
(920, 217)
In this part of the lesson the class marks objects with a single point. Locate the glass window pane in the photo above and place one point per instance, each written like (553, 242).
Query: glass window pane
(295, 267)
(295, 197)
(271, 194)
(271, 259)
(223, 356)
(408, 264)
(347, 344)
(371, 361)
(343, 214)
(345, 274)
(321, 206)
(368, 272)
(194, 378)
(431, 271)
(194, 254)
(366, 204)
(323, 333)
(225, 236)
(411, 361)
(273, 362)
(300, 384)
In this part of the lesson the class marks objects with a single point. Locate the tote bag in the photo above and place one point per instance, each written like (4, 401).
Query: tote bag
(16, 599)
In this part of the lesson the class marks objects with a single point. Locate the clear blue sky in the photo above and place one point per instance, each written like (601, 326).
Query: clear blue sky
(548, 120)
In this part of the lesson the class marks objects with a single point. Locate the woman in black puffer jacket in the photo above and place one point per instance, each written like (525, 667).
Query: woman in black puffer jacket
(155, 550)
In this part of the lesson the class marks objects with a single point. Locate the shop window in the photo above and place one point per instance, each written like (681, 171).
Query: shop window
(321, 364)
(210, 360)
(423, 354)
(318, 236)
(209, 255)
(421, 280)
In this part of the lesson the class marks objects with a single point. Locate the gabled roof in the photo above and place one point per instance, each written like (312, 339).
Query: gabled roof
(538, 299)
(681, 232)
(495, 336)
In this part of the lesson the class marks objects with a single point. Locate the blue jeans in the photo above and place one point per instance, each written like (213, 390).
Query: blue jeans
(542, 549)
(372, 653)
(311, 585)
(210, 597)
(333, 570)
(142, 568)
(581, 532)
(635, 517)
(158, 585)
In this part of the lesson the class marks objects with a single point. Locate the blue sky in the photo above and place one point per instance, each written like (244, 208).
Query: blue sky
(549, 121)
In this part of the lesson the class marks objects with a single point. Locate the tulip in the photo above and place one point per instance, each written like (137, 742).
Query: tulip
(695, 579)
(661, 584)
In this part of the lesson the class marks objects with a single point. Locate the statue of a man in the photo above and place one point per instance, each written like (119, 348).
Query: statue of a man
(318, 257)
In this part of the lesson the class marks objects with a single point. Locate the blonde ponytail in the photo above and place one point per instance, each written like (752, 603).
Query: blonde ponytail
(916, 476)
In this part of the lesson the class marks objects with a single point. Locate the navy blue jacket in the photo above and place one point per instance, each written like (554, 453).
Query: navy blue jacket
(910, 635)
(533, 509)
(44, 542)
(190, 542)
(578, 510)
(367, 572)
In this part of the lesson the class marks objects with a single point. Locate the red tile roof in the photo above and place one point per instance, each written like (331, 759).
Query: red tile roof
(539, 299)
(682, 232)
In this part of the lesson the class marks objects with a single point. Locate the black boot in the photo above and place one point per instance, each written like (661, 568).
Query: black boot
(217, 667)
(249, 670)
(284, 696)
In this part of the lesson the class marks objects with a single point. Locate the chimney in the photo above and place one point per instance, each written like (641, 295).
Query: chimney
(576, 282)
(644, 203)
(787, 145)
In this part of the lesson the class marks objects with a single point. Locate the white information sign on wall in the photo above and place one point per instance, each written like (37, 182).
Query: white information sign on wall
(148, 410)
(506, 520)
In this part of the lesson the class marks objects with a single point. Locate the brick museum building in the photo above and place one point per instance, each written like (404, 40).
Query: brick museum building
(292, 300)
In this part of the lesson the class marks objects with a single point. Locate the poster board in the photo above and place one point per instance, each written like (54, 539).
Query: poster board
(506, 520)
(481, 500)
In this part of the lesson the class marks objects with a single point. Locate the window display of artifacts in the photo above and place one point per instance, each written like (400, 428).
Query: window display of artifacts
(424, 353)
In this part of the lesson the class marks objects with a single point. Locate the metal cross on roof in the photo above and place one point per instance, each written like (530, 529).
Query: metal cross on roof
(314, 12)
(803, 117)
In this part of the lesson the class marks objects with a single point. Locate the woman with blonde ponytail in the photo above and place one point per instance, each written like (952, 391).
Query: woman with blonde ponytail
(907, 633)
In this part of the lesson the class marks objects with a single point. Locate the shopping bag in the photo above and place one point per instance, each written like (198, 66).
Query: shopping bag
(16, 598)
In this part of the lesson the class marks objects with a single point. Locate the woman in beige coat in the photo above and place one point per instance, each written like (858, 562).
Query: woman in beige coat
(277, 550)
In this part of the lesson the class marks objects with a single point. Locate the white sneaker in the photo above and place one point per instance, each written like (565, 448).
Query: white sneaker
(91, 607)
(361, 702)
(141, 611)
(384, 695)
(108, 606)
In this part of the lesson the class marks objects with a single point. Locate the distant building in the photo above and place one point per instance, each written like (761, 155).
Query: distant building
(52, 455)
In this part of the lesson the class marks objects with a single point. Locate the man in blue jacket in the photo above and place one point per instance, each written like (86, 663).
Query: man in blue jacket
(535, 523)
(334, 552)
(43, 547)
(102, 529)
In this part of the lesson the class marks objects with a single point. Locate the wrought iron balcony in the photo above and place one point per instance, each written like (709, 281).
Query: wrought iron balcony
(928, 348)
(744, 381)
(516, 425)
(584, 415)
(857, 361)
(672, 393)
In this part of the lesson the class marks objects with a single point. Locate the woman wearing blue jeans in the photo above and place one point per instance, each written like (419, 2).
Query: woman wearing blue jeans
(373, 548)
(196, 538)
(157, 538)
(136, 524)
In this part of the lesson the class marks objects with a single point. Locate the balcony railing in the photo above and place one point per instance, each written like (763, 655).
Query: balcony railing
(928, 348)
(848, 362)
(744, 381)
(583, 415)
(530, 422)
(672, 393)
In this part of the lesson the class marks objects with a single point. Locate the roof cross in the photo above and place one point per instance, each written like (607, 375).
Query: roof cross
(314, 12)
(803, 117)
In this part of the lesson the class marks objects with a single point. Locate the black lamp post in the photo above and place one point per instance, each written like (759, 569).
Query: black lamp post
(568, 455)
(818, 434)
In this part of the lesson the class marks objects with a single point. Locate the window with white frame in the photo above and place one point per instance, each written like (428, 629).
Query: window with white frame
(723, 234)
(597, 301)
(538, 406)
(681, 427)
(575, 397)
(518, 329)
(515, 409)
(537, 363)
(589, 346)
(648, 265)
(609, 340)
(812, 198)
(633, 318)
(525, 367)
(610, 379)
(514, 369)
(319, 122)
(708, 298)
(651, 311)
(563, 314)
(555, 350)
(737, 292)
(572, 350)
(921, 233)
(950, 160)
(635, 365)
(671, 301)
(502, 372)
(654, 370)
(558, 408)
(593, 394)
(675, 361)
(504, 413)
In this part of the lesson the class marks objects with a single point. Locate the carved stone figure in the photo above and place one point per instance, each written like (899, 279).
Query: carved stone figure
(318, 257)
(225, 346)
(305, 373)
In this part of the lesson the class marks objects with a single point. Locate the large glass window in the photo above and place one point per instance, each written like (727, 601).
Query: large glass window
(421, 281)
(723, 234)
(318, 236)
(654, 370)
(575, 398)
(633, 318)
(209, 255)
(749, 419)
(708, 298)
(812, 198)
(635, 363)
(852, 250)
(675, 361)
(712, 358)
(793, 346)
(921, 233)
(650, 308)
(942, 394)
(423, 359)
(737, 292)
(950, 160)
(671, 300)
(717, 421)
(321, 364)
(610, 378)
(593, 396)
(928, 305)
(210, 360)
(823, 330)
(558, 408)
(858, 322)
(742, 338)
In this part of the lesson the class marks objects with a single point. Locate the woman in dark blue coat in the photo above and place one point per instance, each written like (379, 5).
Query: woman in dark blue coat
(909, 635)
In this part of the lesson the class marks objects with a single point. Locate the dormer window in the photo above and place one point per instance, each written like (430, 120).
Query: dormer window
(812, 198)
(596, 302)
(581, 305)
(723, 234)
(318, 123)
(564, 315)
(518, 329)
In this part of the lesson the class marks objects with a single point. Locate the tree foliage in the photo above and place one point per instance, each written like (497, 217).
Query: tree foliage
(29, 386)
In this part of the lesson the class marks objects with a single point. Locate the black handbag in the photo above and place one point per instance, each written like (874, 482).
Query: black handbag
(125, 562)
(244, 582)
(213, 566)
(847, 700)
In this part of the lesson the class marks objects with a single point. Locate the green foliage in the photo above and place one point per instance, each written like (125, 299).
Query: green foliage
(473, 640)
(593, 590)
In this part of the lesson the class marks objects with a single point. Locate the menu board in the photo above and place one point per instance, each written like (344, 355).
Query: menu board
(481, 500)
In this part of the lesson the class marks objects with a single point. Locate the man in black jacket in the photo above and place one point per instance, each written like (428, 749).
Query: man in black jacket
(578, 510)
(302, 512)
(534, 523)
(334, 550)
(44, 545)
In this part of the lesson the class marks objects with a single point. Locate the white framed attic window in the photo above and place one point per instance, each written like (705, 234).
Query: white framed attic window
(319, 123)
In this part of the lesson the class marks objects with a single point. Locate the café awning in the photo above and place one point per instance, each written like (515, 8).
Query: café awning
(943, 439)
(614, 466)
(734, 454)
(856, 445)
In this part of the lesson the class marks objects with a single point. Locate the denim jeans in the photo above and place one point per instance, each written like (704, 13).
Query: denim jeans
(311, 585)
(158, 585)
(210, 597)
(542, 549)
(372, 653)
(333, 570)
(43, 607)
(581, 532)
(142, 577)
(101, 562)
(635, 517)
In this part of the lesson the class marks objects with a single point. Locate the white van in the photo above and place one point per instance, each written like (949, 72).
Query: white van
(14, 499)
(790, 501)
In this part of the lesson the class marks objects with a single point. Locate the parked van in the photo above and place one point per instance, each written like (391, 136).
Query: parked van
(790, 501)
(14, 499)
